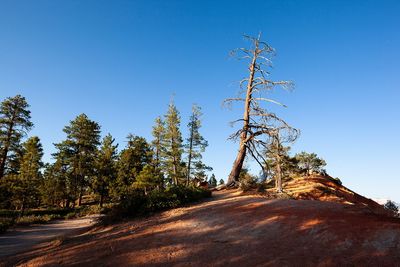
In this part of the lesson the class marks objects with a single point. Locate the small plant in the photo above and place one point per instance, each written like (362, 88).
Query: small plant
(390, 205)
(6, 223)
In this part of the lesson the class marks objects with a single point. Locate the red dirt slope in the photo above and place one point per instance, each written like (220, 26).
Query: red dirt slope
(235, 230)
(325, 188)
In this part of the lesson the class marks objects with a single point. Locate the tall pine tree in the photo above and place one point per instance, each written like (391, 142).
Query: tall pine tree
(195, 146)
(132, 160)
(173, 145)
(80, 148)
(106, 168)
(29, 179)
(15, 122)
(158, 143)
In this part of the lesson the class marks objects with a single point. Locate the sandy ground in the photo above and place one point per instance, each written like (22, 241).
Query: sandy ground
(24, 238)
(233, 230)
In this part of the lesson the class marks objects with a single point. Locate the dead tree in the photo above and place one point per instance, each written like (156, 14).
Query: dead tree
(259, 125)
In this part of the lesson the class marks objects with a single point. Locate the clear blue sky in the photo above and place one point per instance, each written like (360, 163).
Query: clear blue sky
(120, 61)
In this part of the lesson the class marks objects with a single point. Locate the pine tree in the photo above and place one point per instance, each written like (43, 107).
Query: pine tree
(64, 172)
(158, 143)
(310, 162)
(106, 168)
(173, 145)
(30, 177)
(149, 178)
(195, 146)
(54, 190)
(213, 180)
(15, 122)
(131, 162)
(221, 182)
(80, 148)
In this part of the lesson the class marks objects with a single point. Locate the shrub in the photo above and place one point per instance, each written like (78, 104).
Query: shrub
(247, 182)
(390, 205)
(137, 203)
(5, 223)
(31, 219)
(337, 181)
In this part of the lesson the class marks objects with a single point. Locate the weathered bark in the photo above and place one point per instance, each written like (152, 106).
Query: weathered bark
(102, 193)
(237, 167)
(278, 176)
(238, 163)
(6, 148)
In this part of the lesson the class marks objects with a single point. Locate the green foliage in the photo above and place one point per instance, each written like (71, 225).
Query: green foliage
(15, 122)
(37, 219)
(149, 178)
(132, 160)
(247, 181)
(138, 203)
(213, 180)
(288, 164)
(337, 180)
(195, 146)
(9, 218)
(309, 162)
(221, 181)
(390, 205)
(106, 169)
(5, 223)
(173, 146)
(27, 183)
(158, 143)
(76, 155)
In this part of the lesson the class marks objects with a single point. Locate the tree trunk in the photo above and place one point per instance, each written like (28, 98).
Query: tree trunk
(80, 196)
(278, 178)
(238, 164)
(237, 167)
(101, 197)
(6, 148)
(189, 156)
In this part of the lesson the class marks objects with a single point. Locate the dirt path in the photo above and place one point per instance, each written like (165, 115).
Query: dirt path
(24, 238)
(233, 230)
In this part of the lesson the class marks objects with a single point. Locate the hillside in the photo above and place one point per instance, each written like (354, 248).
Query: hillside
(325, 188)
(239, 230)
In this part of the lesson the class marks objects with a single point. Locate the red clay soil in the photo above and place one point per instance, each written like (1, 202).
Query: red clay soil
(325, 188)
(234, 230)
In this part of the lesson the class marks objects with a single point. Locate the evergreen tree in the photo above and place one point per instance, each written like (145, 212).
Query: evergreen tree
(213, 180)
(288, 164)
(195, 146)
(132, 159)
(30, 177)
(64, 173)
(80, 148)
(149, 178)
(173, 145)
(221, 182)
(106, 168)
(309, 162)
(15, 122)
(54, 190)
(158, 143)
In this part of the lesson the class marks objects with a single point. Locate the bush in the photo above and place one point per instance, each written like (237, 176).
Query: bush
(247, 182)
(337, 181)
(31, 219)
(390, 205)
(6, 223)
(137, 203)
